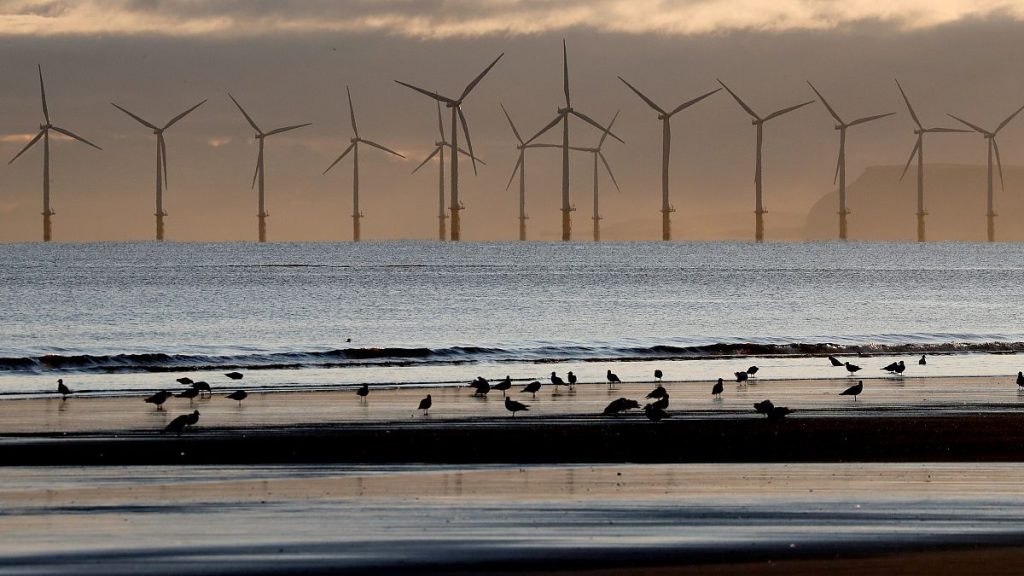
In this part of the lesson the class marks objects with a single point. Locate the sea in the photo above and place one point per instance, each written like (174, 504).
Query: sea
(128, 318)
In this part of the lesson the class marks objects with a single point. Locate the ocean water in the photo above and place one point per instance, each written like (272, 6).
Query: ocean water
(128, 315)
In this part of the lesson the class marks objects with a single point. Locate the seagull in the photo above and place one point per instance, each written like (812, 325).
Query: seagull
(238, 395)
(661, 403)
(234, 375)
(572, 380)
(741, 376)
(658, 375)
(764, 407)
(185, 381)
(854, 390)
(503, 385)
(619, 405)
(202, 387)
(189, 393)
(178, 424)
(532, 388)
(922, 361)
(63, 390)
(425, 404)
(557, 381)
(892, 367)
(835, 361)
(159, 398)
(1020, 379)
(613, 379)
(851, 368)
(716, 390)
(654, 413)
(778, 412)
(513, 406)
(363, 391)
(481, 385)
(752, 370)
(193, 418)
(658, 392)
(900, 368)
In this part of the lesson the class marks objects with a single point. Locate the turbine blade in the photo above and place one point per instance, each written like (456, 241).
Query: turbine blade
(343, 154)
(909, 107)
(917, 148)
(384, 148)
(137, 118)
(944, 130)
(600, 142)
(440, 122)
(471, 85)
(565, 73)
(835, 179)
(287, 128)
(778, 113)
(975, 127)
(259, 167)
(469, 141)
(543, 146)
(433, 95)
(42, 93)
(594, 123)
(867, 119)
(27, 146)
(182, 115)
(519, 162)
(825, 102)
(510, 123)
(422, 164)
(246, 114)
(689, 103)
(999, 163)
(352, 112)
(550, 125)
(1007, 121)
(71, 134)
(609, 169)
(465, 153)
(649, 102)
(741, 102)
(162, 145)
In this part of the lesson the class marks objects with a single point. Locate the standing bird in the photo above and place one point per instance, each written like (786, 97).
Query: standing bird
(922, 361)
(193, 419)
(900, 368)
(1020, 379)
(619, 405)
(854, 390)
(238, 395)
(513, 406)
(752, 370)
(202, 387)
(717, 389)
(661, 403)
(557, 381)
(63, 390)
(184, 381)
(658, 375)
(363, 392)
(178, 424)
(159, 398)
(613, 379)
(504, 385)
(425, 404)
(835, 361)
(851, 368)
(741, 376)
(234, 375)
(572, 380)
(481, 385)
(891, 368)
(654, 413)
(532, 388)
(189, 393)
(658, 392)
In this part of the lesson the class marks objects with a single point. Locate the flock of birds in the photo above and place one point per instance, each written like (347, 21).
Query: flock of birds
(655, 410)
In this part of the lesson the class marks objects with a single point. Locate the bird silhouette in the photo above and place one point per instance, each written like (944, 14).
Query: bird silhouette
(658, 392)
(900, 368)
(159, 398)
(481, 385)
(193, 418)
(203, 387)
(922, 361)
(752, 370)
(185, 381)
(717, 389)
(62, 389)
(661, 403)
(178, 424)
(504, 385)
(854, 390)
(764, 407)
(234, 375)
(238, 395)
(425, 404)
(363, 391)
(532, 388)
(1020, 379)
(513, 406)
(892, 367)
(572, 380)
(556, 380)
(851, 368)
(778, 412)
(741, 376)
(620, 405)
(613, 379)
(654, 413)
(835, 361)
(189, 393)
(658, 375)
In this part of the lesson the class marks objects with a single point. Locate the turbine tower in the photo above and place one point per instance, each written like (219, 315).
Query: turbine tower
(520, 167)
(161, 161)
(666, 146)
(259, 174)
(563, 117)
(992, 146)
(457, 117)
(841, 163)
(354, 149)
(44, 133)
(918, 150)
(759, 122)
(439, 147)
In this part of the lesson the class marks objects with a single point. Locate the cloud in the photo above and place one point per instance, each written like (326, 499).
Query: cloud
(439, 19)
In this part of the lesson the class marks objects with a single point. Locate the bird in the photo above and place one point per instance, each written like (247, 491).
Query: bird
(741, 376)
(851, 368)
(654, 413)
(854, 390)
(764, 407)
(752, 370)
(613, 379)
(1020, 379)
(900, 368)
(504, 385)
(922, 361)
(658, 392)
(620, 405)
(835, 361)
(63, 390)
(363, 391)
(238, 395)
(159, 398)
(716, 390)
(202, 386)
(178, 424)
(193, 418)
(658, 375)
(778, 412)
(532, 388)
(425, 404)
(556, 380)
(513, 406)
(892, 367)
(572, 380)
(481, 385)
(189, 393)
(234, 375)
(185, 381)
(661, 403)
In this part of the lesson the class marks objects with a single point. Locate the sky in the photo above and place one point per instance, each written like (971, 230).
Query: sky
(289, 62)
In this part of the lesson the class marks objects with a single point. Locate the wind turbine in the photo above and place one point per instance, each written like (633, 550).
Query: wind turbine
(161, 161)
(918, 149)
(759, 122)
(992, 146)
(439, 147)
(44, 133)
(354, 149)
(520, 167)
(841, 163)
(457, 117)
(666, 146)
(597, 154)
(259, 175)
(563, 117)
